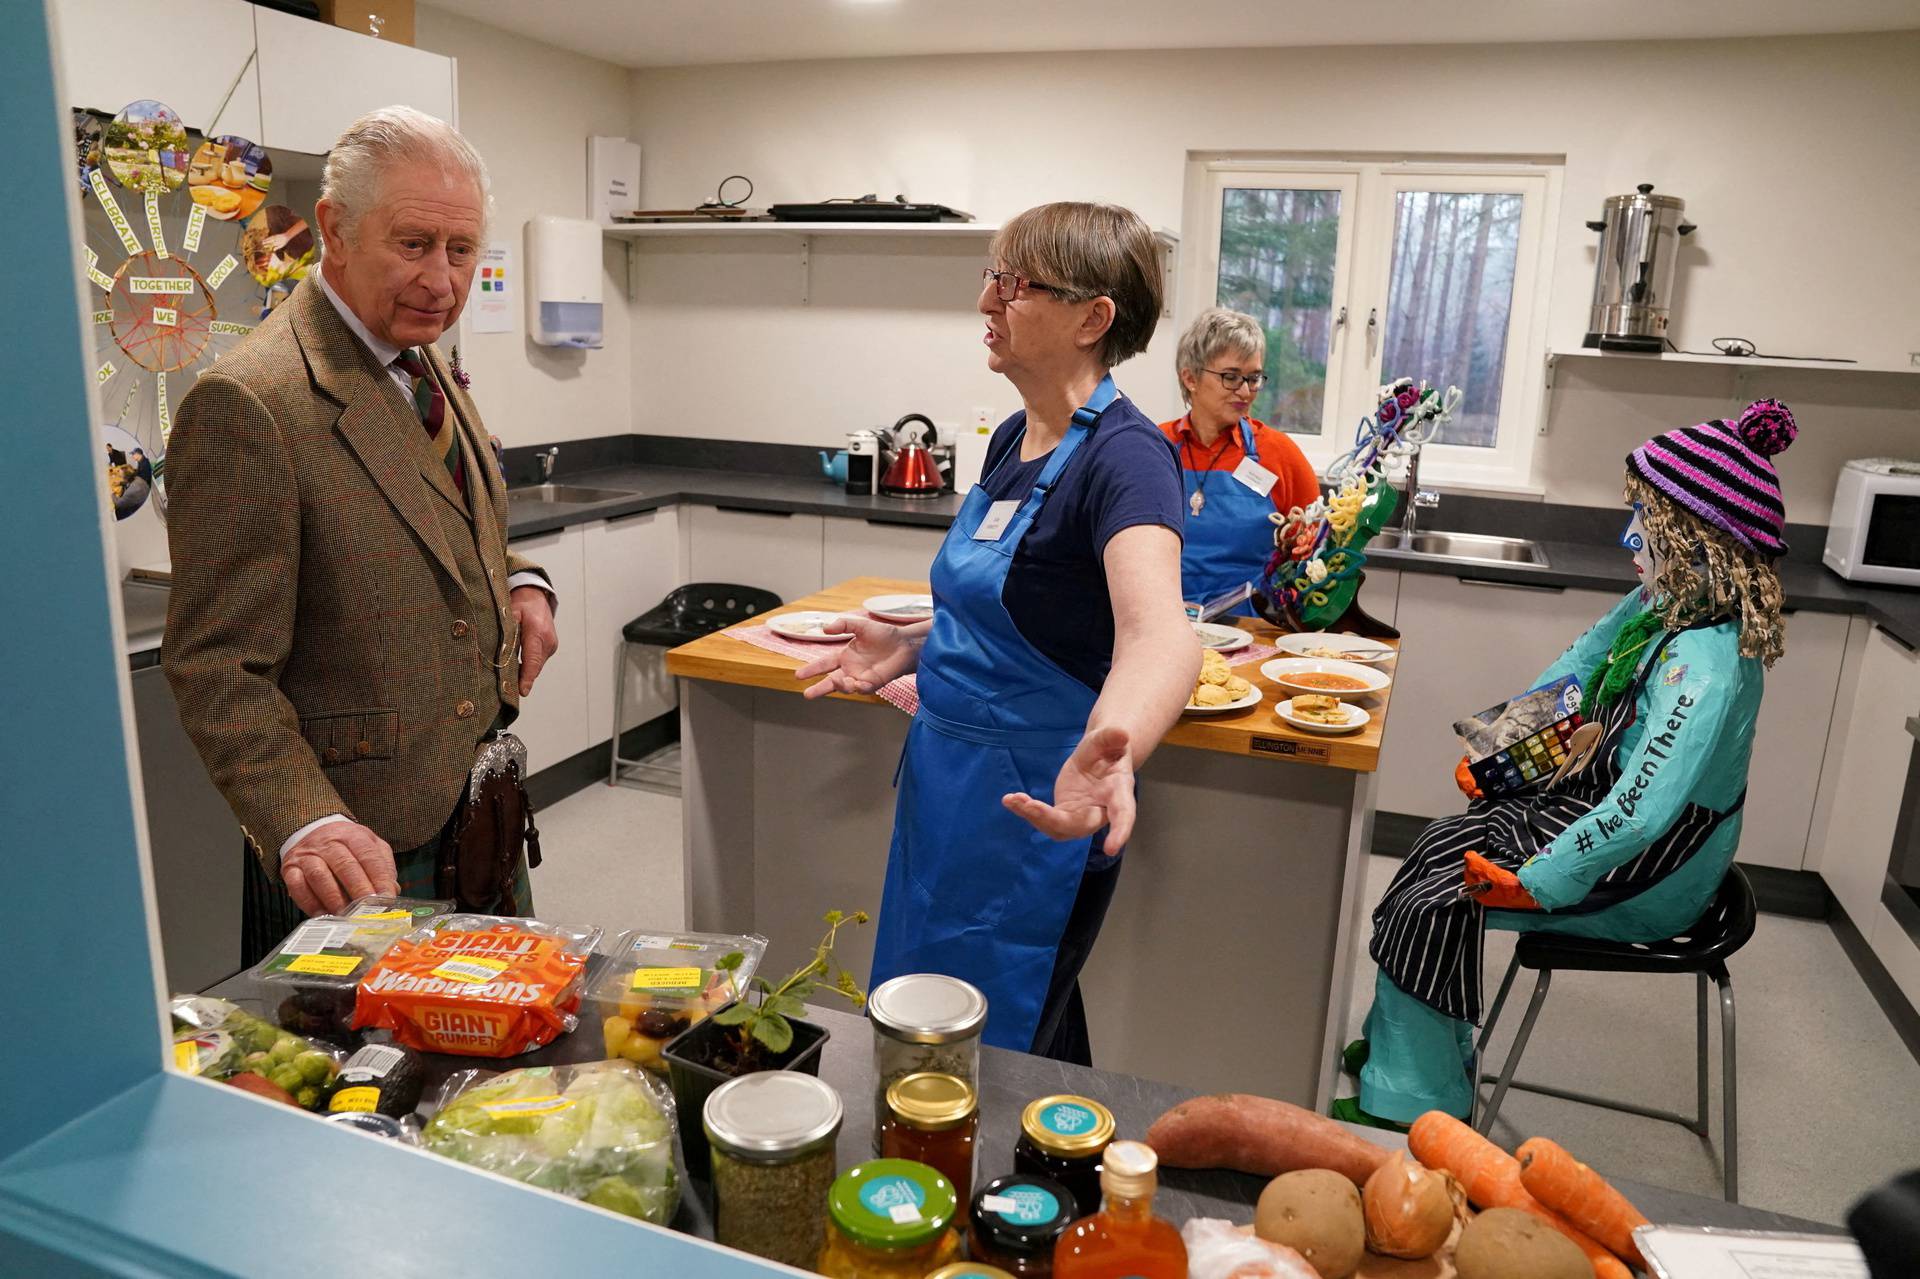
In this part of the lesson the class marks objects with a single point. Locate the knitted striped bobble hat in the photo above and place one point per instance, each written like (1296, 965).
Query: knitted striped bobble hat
(1720, 471)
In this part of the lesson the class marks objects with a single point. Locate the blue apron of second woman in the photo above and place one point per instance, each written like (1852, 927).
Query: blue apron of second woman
(1228, 540)
(972, 890)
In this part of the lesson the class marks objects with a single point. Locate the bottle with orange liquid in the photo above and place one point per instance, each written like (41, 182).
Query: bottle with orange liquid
(1124, 1240)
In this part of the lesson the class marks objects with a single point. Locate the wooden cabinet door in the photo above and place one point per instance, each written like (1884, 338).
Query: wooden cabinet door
(316, 79)
(631, 565)
(1465, 645)
(1789, 741)
(553, 718)
(777, 551)
(186, 54)
(874, 548)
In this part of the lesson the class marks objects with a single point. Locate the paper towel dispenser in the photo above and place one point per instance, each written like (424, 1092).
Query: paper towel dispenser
(563, 282)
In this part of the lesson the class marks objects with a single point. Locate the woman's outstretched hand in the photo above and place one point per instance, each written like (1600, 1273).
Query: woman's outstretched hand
(879, 653)
(1094, 789)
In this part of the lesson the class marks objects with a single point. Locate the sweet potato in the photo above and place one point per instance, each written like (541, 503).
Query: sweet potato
(1260, 1136)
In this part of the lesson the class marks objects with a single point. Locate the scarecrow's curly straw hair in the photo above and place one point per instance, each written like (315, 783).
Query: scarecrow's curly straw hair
(1706, 575)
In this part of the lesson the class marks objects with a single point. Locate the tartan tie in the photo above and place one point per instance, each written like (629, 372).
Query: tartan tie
(430, 402)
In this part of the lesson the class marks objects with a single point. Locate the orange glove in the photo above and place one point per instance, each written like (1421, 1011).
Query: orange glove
(1463, 778)
(1495, 887)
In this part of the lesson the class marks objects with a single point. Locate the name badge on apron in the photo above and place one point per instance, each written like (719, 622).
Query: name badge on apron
(1255, 476)
(998, 516)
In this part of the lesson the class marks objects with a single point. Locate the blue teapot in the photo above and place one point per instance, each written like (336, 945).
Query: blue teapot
(833, 466)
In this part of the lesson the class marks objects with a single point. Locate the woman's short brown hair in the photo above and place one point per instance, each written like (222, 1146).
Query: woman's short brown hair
(1083, 251)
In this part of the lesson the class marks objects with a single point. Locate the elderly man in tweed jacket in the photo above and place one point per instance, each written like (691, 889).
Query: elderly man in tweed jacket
(346, 624)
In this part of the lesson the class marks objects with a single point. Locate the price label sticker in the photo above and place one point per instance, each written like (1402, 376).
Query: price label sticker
(998, 1203)
(153, 224)
(326, 965)
(471, 969)
(195, 221)
(904, 1214)
(999, 516)
(386, 914)
(548, 1105)
(666, 979)
(121, 227)
(166, 316)
(219, 274)
(360, 1101)
(186, 1056)
(1255, 476)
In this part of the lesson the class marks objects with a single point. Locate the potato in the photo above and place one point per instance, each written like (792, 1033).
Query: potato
(1506, 1243)
(1316, 1212)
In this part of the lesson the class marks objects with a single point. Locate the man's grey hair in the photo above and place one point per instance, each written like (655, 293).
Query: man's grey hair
(1215, 332)
(390, 136)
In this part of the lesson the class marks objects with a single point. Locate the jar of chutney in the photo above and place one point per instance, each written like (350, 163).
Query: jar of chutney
(889, 1219)
(1015, 1222)
(1063, 1137)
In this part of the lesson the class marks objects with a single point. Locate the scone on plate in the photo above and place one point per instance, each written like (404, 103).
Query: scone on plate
(1210, 695)
(1316, 708)
(1213, 668)
(1236, 687)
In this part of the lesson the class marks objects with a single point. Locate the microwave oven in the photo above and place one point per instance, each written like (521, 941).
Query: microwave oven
(1874, 533)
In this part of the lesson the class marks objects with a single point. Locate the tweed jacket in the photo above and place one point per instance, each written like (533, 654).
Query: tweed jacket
(340, 635)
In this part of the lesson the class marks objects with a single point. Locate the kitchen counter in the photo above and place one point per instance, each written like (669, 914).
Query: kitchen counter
(1240, 869)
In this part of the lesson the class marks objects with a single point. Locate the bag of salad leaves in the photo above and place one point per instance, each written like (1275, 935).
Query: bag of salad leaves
(601, 1132)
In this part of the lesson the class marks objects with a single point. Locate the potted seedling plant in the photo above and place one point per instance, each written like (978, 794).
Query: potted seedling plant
(761, 1030)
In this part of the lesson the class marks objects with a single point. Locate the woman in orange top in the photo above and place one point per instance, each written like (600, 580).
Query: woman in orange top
(1237, 471)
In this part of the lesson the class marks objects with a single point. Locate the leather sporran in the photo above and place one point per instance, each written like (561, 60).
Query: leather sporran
(495, 836)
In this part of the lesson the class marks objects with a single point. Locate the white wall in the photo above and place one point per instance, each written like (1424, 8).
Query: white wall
(1787, 152)
(529, 109)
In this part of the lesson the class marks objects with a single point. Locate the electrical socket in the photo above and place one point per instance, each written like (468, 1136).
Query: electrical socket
(1913, 358)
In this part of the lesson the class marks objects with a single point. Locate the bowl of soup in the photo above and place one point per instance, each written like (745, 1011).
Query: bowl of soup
(1328, 676)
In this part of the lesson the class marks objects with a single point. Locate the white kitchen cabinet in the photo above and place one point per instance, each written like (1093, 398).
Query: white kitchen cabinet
(875, 548)
(778, 551)
(316, 79)
(1867, 756)
(553, 718)
(1783, 777)
(186, 54)
(631, 565)
(1465, 645)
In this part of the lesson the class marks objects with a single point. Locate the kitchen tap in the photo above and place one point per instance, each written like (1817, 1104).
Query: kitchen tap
(547, 459)
(1418, 499)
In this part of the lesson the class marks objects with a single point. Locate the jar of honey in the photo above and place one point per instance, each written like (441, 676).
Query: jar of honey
(934, 1119)
(1063, 1137)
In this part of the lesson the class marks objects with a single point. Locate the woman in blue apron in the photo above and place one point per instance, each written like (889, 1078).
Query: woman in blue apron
(1632, 847)
(1238, 471)
(1062, 569)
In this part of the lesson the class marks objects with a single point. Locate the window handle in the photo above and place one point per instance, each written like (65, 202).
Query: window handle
(1373, 326)
(1333, 331)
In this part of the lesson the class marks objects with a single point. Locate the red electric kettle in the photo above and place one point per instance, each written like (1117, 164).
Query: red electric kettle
(913, 471)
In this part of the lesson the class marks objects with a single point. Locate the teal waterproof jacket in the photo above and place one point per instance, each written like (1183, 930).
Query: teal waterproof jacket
(1689, 743)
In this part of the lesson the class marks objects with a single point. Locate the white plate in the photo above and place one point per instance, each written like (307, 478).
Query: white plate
(1281, 671)
(1357, 718)
(1221, 639)
(900, 608)
(1251, 699)
(1297, 646)
(805, 626)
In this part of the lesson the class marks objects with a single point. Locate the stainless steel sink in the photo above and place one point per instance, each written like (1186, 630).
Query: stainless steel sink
(1473, 548)
(566, 494)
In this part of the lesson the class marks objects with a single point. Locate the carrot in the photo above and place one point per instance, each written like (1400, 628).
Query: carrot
(1491, 1178)
(1260, 1135)
(1581, 1195)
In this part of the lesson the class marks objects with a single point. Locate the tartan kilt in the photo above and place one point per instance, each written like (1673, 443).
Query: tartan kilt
(268, 913)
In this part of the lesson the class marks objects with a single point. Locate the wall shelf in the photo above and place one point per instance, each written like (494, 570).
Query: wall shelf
(1729, 361)
(634, 234)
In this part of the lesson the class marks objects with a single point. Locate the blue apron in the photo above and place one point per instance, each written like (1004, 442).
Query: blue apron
(1231, 538)
(974, 891)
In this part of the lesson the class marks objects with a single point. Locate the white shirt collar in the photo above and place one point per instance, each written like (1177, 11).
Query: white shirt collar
(384, 353)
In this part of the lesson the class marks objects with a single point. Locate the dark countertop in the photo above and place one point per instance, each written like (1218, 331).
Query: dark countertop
(1010, 1080)
(1591, 565)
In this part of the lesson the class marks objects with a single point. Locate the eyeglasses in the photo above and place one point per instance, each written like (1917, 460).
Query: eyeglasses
(1232, 381)
(1007, 284)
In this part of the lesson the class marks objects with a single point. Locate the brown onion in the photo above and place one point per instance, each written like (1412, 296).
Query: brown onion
(1409, 1208)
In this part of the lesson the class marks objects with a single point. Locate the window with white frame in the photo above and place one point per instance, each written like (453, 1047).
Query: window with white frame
(1361, 273)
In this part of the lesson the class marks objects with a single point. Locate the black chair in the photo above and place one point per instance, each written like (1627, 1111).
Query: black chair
(1702, 950)
(687, 613)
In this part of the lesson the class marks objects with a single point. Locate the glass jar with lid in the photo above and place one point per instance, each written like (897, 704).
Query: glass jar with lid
(1063, 1137)
(889, 1219)
(969, 1270)
(934, 1119)
(923, 1023)
(772, 1135)
(1015, 1222)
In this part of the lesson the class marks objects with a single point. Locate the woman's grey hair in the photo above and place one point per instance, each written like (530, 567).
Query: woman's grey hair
(392, 136)
(1217, 331)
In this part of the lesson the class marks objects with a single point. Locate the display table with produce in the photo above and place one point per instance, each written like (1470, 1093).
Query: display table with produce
(1238, 912)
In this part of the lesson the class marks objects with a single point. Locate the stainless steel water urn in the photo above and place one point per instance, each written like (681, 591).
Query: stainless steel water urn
(1632, 287)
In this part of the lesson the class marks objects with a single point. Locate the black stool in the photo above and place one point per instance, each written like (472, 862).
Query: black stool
(688, 612)
(1701, 950)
